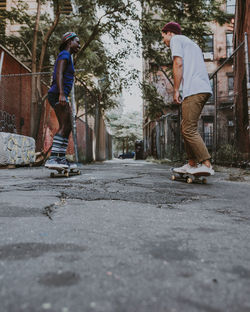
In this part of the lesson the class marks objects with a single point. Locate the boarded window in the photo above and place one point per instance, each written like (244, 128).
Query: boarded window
(208, 51)
(229, 41)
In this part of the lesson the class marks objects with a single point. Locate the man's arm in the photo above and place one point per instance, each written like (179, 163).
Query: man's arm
(59, 80)
(178, 75)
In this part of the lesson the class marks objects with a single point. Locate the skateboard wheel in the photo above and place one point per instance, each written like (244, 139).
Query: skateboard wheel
(66, 174)
(52, 174)
(189, 180)
(173, 177)
(204, 181)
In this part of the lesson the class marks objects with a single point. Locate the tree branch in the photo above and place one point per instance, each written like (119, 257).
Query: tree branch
(26, 46)
(96, 31)
(48, 35)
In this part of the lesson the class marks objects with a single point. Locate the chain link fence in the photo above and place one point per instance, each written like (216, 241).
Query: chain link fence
(20, 107)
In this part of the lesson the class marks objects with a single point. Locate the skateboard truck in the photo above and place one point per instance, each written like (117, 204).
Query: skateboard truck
(64, 172)
(190, 178)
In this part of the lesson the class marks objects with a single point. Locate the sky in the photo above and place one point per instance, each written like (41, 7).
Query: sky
(132, 98)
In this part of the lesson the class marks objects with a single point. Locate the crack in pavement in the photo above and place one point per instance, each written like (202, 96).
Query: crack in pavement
(50, 209)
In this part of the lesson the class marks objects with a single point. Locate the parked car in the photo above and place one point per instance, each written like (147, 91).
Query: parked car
(127, 155)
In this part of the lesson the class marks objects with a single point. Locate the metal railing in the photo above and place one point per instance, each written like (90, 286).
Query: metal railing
(218, 99)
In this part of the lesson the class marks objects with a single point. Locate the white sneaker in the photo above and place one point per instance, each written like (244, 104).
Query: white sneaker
(183, 169)
(201, 169)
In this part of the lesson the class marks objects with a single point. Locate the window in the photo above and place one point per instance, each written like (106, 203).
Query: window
(2, 4)
(230, 81)
(211, 99)
(208, 128)
(230, 7)
(229, 43)
(67, 8)
(2, 20)
(208, 50)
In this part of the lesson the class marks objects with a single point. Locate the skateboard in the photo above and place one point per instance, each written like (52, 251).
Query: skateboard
(190, 178)
(64, 172)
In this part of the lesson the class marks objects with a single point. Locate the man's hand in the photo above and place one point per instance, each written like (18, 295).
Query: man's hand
(177, 72)
(62, 100)
(177, 98)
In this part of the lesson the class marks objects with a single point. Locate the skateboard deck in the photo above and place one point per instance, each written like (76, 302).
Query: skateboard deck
(64, 172)
(190, 178)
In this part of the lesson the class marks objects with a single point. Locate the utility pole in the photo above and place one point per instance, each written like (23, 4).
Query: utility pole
(73, 105)
(247, 80)
(215, 114)
(86, 128)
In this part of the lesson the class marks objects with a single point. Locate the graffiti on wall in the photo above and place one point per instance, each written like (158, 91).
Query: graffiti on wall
(7, 122)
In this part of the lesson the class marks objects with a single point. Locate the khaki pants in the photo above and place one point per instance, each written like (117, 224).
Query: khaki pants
(191, 110)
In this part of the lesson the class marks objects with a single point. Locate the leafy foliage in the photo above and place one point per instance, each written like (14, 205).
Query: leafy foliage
(193, 15)
(126, 128)
(156, 104)
(92, 21)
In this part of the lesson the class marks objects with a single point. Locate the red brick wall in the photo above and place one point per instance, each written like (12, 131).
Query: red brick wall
(15, 101)
(15, 93)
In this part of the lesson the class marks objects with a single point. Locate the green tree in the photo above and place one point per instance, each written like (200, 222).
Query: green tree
(126, 128)
(38, 39)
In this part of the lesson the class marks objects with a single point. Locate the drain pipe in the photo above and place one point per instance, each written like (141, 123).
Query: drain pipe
(1, 64)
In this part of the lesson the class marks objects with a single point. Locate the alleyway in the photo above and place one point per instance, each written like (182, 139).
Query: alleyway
(123, 237)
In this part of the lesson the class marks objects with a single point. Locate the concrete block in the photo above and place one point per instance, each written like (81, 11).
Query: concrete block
(16, 149)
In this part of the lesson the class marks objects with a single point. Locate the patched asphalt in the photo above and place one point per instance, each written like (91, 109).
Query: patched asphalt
(123, 237)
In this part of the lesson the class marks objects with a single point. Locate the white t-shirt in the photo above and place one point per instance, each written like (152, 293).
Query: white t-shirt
(195, 76)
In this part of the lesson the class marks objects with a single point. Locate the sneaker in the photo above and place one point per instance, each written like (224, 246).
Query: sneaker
(55, 162)
(63, 161)
(201, 169)
(183, 169)
(71, 165)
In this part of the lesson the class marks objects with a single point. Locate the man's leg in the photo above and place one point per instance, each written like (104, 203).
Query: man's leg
(190, 155)
(191, 159)
(60, 140)
(191, 110)
(63, 114)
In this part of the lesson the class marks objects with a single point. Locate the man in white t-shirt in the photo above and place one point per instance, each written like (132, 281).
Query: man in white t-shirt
(189, 70)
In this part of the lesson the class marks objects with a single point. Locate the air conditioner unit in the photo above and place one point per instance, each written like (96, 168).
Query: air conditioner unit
(208, 56)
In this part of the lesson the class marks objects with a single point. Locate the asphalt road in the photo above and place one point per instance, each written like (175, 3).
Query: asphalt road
(123, 237)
